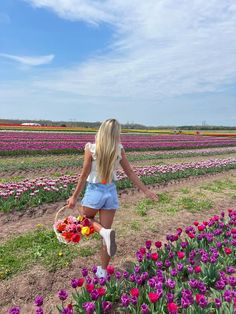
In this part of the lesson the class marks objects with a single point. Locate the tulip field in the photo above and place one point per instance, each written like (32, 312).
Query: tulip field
(175, 255)
(18, 143)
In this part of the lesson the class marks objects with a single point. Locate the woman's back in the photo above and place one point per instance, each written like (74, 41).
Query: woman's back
(93, 176)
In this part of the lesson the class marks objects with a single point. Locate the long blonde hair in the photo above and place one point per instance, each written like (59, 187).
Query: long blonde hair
(107, 141)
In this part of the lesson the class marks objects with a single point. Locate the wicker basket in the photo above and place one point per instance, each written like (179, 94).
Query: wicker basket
(58, 234)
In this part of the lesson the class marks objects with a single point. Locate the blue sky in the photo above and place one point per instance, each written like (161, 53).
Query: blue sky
(158, 62)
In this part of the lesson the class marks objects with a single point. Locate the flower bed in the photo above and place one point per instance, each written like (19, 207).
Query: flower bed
(193, 272)
(34, 192)
(29, 143)
(45, 162)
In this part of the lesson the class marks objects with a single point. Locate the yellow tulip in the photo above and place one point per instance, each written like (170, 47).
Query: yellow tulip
(85, 231)
(80, 218)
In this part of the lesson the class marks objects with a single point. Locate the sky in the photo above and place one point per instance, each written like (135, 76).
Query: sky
(154, 62)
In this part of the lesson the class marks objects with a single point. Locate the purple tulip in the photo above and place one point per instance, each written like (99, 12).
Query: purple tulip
(228, 295)
(170, 283)
(67, 311)
(94, 295)
(14, 310)
(118, 275)
(148, 244)
(144, 309)
(136, 269)
(102, 281)
(106, 306)
(134, 300)
(39, 310)
(74, 283)
(220, 285)
(84, 272)
(218, 302)
(94, 269)
(230, 270)
(170, 297)
(203, 301)
(62, 294)
(125, 300)
(89, 307)
(38, 300)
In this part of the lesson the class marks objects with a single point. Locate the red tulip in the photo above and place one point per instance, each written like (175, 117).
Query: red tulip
(86, 222)
(197, 269)
(67, 235)
(134, 292)
(90, 287)
(198, 297)
(180, 254)
(75, 238)
(154, 256)
(201, 228)
(61, 226)
(196, 223)
(101, 291)
(80, 282)
(110, 269)
(191, 235)
(70, 306)
(153, 297)
(227, 250)
(142, 250)
(158, 244)
(172, 307)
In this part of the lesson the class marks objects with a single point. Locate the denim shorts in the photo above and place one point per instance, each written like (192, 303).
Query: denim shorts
(100, 196)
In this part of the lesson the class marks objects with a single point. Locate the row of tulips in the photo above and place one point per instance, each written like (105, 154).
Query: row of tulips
(30, 143)
(193, 272)
(44, 162)
(34, 192)
(182, 153)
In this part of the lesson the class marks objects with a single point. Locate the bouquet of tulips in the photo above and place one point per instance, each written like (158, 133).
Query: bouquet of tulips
(71, 229)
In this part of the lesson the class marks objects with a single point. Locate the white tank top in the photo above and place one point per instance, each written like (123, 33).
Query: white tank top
(93, 177)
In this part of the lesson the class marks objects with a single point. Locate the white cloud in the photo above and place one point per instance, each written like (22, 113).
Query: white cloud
(91, 11)
(161, 49)
(30, 61)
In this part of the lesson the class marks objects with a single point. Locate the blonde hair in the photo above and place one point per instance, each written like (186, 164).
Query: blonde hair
(107, 141)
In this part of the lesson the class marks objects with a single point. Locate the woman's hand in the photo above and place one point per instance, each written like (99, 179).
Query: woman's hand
(151, 195)
(71, 202)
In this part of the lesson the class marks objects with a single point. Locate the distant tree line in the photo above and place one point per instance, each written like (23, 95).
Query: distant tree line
(125, 125)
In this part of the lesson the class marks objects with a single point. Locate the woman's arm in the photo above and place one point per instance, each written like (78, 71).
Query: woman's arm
(134, 178)
(82, 179)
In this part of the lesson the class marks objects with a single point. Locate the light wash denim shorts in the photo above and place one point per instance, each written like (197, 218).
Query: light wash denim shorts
(100, 196)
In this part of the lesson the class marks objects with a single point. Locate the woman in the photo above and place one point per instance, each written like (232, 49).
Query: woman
(101, 159)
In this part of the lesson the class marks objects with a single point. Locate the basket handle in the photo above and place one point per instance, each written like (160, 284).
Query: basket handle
(61, 209)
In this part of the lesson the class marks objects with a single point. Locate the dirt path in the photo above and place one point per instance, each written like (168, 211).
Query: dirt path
(18, 222)
(22, 288)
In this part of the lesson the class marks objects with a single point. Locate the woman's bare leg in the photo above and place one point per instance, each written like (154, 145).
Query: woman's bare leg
(106, 220)
(91, 213)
